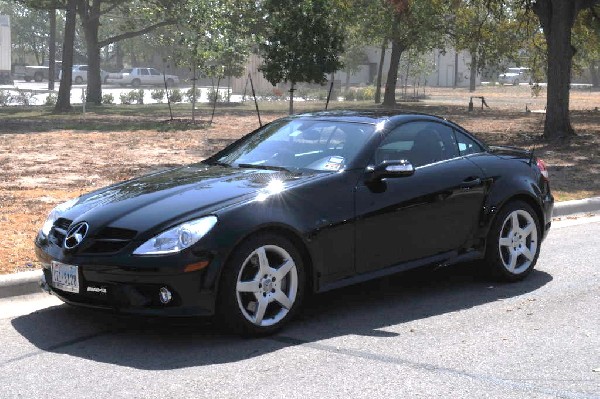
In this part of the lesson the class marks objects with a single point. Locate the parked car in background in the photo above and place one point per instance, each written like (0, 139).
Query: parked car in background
(307, 203)
(514, 76)
(141, 76)
(80, 73)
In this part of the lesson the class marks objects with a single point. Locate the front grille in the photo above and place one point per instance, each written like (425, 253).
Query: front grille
(106, 241)
(110, 240)
(59, 230)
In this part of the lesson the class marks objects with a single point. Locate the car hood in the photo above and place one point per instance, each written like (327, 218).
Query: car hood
(162, 199)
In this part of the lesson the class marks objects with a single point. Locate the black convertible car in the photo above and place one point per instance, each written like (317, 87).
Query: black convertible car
(304, 204)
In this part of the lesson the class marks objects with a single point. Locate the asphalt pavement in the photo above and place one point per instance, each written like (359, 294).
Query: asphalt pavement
(443, 333)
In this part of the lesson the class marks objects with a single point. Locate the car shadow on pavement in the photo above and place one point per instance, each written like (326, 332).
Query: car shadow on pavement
(365, 309)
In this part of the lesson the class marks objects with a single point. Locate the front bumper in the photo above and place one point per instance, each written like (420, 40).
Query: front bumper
(135, 290)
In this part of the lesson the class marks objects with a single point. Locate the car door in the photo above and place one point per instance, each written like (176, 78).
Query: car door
(155, 76)
(430, 212)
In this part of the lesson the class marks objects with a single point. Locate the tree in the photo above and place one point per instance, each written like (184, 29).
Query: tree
(30, 30)
(407, 25)
(487, 31)
(302, 42)
(154, 14)
(557, 18)
(63, 102)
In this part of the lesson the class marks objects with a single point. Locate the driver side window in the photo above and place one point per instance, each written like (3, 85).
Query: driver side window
(420, 143)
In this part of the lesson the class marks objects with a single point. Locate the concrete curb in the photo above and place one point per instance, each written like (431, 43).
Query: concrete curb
(566, 208)
(22, 283)
(28, 282)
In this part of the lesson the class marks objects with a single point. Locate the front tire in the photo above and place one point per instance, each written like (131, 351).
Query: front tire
(262, 286)
(78, 80)
(38, 77)
(136, 83)
(513, 243)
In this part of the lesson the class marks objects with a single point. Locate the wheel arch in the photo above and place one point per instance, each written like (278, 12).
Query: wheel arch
(288, 233)
(524, 197)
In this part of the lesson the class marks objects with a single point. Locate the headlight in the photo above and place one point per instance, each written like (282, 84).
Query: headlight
(177, 238)
(55, 213)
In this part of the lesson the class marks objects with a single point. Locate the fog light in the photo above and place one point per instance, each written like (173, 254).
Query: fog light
(165, 295)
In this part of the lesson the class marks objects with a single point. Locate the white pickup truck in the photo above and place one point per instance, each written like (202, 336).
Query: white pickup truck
(141, 76)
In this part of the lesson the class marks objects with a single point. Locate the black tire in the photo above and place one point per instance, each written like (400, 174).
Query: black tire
(516, 82)
(38, 77)
(27, 79)
(504, 242)
(136, 83)
(236, 308)
(170, 82)
(78, 80)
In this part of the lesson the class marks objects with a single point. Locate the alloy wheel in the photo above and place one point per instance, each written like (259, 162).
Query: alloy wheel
(267, 285)
(518, 241)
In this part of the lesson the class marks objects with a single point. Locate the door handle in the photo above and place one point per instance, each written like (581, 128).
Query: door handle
(470, 182)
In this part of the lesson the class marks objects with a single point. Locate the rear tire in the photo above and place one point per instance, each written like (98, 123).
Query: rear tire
(262, 286)
(78, 80)
(513, 243)
(136, 83)
(38, 77)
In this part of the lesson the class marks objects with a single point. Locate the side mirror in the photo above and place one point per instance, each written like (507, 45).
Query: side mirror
(389, 169)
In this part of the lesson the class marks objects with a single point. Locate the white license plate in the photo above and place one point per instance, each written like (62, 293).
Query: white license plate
(65, 277)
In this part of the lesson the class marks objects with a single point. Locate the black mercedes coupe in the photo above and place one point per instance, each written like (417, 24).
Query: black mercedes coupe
(305, 204)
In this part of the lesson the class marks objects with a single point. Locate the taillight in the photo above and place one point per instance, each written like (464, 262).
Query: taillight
(543, 168)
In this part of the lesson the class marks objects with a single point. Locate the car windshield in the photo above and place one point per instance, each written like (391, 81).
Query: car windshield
(297, 145)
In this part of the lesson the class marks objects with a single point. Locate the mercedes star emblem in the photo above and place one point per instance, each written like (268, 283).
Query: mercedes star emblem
(75, 235)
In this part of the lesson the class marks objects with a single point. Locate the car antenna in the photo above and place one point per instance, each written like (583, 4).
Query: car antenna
(534, 143)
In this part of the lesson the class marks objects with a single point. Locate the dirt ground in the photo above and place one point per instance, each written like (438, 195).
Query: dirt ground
(42, 163)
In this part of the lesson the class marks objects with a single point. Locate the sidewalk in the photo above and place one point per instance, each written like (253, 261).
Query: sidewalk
(24, 283)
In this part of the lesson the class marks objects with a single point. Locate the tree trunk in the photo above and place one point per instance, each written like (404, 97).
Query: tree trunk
(594, 74)
(119, 56)
(473, 72)
(380, 72)
(557, 18)
(90, 22)
(347, 81)
(455, 85)
(52, 49)
(63, 103)
(389, 99)
(292, 89)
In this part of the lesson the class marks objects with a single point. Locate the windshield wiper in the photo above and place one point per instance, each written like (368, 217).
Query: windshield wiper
(219, 163)
(262, 166)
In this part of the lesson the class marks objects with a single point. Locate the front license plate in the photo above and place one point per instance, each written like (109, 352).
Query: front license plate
(65, 277)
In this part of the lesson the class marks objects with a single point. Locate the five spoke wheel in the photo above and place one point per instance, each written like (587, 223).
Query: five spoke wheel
(518, 241)
(267, 285)
(513, 243)
(262, 285)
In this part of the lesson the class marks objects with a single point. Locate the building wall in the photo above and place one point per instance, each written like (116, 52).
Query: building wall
(5, 46)
(443, 75)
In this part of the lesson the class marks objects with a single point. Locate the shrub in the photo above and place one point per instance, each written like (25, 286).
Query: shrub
(189, 94)
(176, 96)
(140, 96)
(350, 95)
(5, 98)
(214, 95)
(124, 97)
(24, 97)
(131, 97)
(158, 95)
(51, 99)
(108, 98)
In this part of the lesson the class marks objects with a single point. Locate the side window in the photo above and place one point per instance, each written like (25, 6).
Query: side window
(420, 143)
(466, 145)
(154, 72)
(144, 71)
